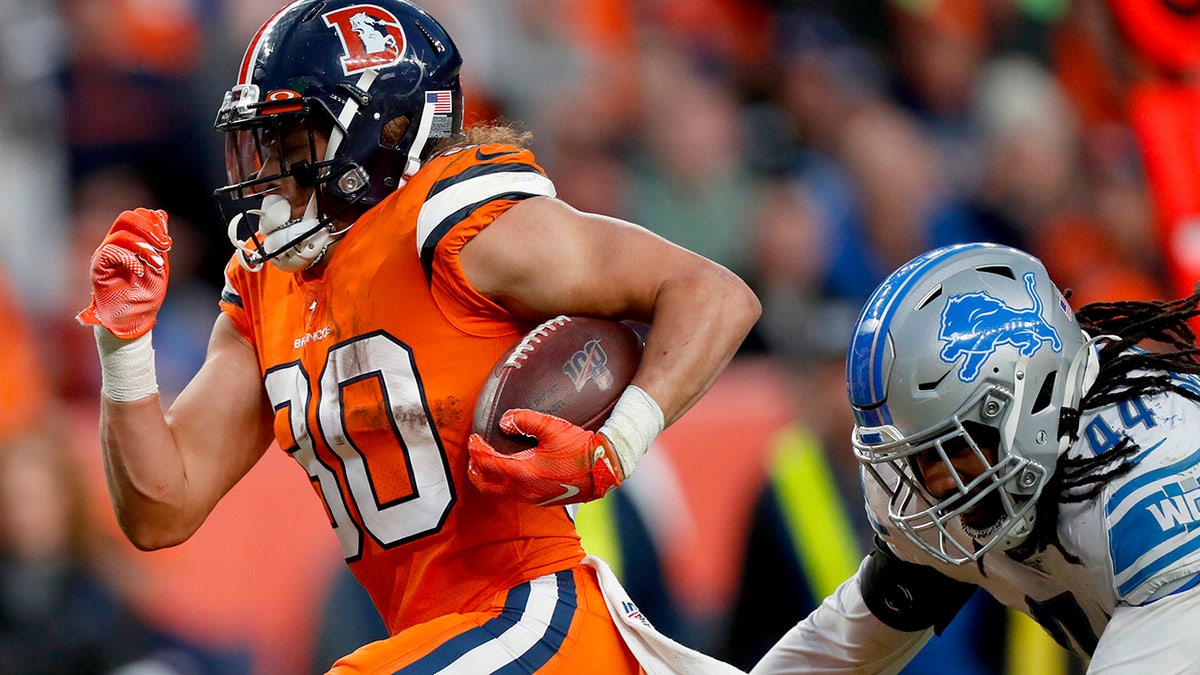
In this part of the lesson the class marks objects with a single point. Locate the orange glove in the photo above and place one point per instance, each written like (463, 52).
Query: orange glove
(569, 464)
(129, 274)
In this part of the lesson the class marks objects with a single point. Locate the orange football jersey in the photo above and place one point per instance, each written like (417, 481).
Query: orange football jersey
(373, 367)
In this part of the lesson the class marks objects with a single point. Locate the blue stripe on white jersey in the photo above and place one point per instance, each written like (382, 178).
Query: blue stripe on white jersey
(1154, 522)
(528, 632)
(864, 365)
(1187, 381)
(1117, 502)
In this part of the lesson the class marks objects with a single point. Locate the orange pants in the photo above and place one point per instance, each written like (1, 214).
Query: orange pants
(557, 623)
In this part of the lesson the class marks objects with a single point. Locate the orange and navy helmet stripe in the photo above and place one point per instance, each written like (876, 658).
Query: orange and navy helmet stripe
(257, 41)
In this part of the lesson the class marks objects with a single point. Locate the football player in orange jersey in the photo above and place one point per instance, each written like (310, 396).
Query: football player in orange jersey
(385, 259)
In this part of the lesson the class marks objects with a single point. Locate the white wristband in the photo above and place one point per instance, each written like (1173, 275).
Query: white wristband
(126, 366)
(635, 422)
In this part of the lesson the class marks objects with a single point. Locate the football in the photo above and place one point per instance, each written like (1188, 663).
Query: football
(570, 367)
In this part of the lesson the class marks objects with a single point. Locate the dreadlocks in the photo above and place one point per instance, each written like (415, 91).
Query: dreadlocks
(1131, 323)
(1128, 369)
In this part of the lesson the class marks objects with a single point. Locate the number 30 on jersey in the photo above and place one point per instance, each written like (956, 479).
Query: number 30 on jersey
(351, 495)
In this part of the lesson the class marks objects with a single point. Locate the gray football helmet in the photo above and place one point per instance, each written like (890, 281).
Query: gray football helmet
(965, 343)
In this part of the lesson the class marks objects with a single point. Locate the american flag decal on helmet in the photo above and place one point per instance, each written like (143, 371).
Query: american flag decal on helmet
(443, 102)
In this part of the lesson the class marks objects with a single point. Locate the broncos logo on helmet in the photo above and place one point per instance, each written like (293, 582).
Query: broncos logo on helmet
(974, 325)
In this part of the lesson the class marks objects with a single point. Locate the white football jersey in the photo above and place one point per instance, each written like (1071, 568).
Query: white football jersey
(1139, 541)
(1131, 604)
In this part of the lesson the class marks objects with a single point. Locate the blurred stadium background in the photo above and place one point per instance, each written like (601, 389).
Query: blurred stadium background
(811, 146)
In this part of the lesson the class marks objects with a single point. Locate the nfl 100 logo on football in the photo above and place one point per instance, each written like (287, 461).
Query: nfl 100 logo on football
(587, 364)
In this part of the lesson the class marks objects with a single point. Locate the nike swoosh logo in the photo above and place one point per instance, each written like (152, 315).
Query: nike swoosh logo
(485, 156)
(569, 491)
(150, 255)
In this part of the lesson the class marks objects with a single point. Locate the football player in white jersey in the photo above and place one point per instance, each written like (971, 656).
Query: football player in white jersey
(1051, 459)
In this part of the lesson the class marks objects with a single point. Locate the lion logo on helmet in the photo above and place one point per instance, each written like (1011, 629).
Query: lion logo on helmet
(371, 37)
(975, 325)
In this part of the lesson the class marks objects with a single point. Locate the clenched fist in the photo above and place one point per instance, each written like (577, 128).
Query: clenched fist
(129, 274)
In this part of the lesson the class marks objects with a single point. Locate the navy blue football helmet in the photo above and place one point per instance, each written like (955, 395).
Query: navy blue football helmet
(379, 79)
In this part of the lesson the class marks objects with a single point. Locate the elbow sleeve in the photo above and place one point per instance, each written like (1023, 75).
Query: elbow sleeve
(910, 597)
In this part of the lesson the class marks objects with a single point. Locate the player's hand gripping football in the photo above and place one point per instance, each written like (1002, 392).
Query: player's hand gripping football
(569, 463)
(129, 274)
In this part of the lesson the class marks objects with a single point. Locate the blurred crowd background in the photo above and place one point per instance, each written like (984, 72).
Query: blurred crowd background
(809, 145)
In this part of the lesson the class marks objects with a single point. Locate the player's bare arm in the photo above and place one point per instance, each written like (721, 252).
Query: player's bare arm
(543, 257)
(166, 472)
